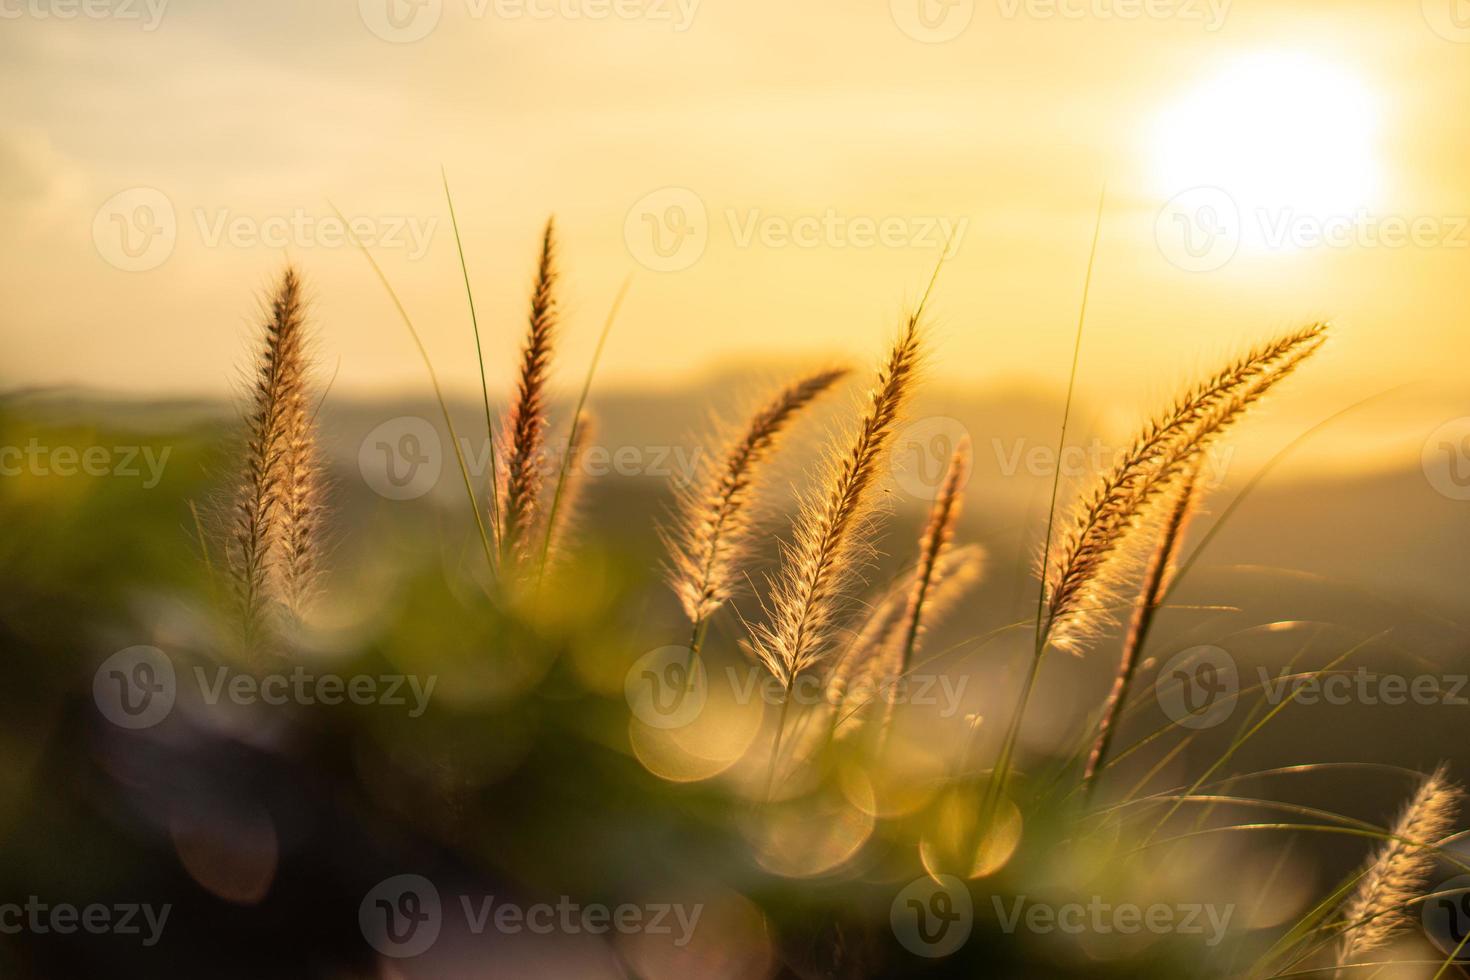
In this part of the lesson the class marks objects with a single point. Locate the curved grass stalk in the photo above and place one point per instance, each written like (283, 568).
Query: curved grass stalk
(479, 357)
(1160, 570)
(995, 789)
(1240, 740)
(418, 342)
(829, 532)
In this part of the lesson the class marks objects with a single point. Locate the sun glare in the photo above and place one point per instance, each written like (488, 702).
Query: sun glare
(1276, 131)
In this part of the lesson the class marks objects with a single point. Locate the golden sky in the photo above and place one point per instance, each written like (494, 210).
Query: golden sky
(777, 176)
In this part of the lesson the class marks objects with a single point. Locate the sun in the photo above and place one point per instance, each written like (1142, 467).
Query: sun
(1277, 131)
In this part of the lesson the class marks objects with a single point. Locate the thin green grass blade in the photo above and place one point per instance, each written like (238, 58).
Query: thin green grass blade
(1056, 482)
(479, 356)
(464, 470)
(995, 789)
(1240, 740)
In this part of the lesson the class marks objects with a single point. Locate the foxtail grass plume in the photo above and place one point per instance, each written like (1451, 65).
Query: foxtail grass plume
(1398, 873)
(1091, 563)
(715, 520)
(303, 502)
(830, 531)
(1158, 578)
(875, 657)
(272, 541)
(933, 544)
(525, 436)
